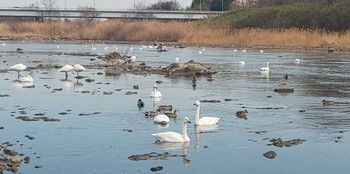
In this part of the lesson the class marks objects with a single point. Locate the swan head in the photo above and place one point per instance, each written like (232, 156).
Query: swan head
(187, 120)
(197, 103)
(155, 86)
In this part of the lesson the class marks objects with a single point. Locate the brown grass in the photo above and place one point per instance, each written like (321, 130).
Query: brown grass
(184, 32)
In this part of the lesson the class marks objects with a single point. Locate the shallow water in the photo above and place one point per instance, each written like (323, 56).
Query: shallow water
(96, 142)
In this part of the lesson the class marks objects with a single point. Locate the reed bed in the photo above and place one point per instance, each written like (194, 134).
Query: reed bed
(183, 32)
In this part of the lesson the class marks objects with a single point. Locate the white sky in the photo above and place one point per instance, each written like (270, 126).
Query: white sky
(100, 4)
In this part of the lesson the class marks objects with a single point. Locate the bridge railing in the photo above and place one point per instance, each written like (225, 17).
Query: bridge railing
(130, 14)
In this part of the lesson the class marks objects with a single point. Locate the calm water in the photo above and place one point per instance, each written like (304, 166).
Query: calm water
(96, 143)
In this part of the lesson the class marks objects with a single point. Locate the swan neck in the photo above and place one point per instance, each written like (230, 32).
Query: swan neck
(184, 132)
(196, 118)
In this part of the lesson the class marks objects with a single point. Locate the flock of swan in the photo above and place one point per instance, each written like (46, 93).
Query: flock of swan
(158, 117)
(175, 137)
(66, 68)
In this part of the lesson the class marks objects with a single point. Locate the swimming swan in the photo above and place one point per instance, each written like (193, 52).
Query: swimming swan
(155, 93)
(204, 120)
(161, 119)
(241, 62)
(174, 137)
(267, 68)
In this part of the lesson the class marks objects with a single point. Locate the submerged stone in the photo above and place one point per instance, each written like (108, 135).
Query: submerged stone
(157, 168)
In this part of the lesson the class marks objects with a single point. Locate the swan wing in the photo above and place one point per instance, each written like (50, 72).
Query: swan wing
(172, 137)
(156, 94)
(18, 67)
(66, 68)
(161, 119)
(78, 67)
(208, 120)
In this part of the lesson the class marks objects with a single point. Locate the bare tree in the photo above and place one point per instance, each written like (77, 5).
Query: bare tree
(140, 5)
(49, 5)
(165, 5)
(88, 14)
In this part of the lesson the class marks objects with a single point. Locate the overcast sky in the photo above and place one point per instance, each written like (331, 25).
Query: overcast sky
(102, 4)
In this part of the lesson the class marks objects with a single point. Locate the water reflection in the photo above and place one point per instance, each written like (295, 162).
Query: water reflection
(18, 84)
(78, 86)
(302, 114)
(203, 129)
(265, 74)
(176, 146)
(67, 83)
(155, 103)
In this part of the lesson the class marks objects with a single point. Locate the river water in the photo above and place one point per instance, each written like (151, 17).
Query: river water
(92, 136)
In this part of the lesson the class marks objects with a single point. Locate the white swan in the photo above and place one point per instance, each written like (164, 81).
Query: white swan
(241, 62)
(93, 48)
(261, 51)
(155, 93)
(267, 68)
(177, 60)
(18, 67)
(204, 120)
(297, 60)
(161, 119)
(133, 58)
(174, 137)
(78, 68)
(66, 68)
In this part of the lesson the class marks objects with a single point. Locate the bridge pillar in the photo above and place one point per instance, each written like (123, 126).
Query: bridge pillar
(39, 19)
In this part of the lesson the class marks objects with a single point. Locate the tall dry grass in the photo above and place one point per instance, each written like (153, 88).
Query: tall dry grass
(184, 32)
(269, 37)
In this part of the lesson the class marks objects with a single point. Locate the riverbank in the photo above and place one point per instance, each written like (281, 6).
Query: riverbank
(192, 34)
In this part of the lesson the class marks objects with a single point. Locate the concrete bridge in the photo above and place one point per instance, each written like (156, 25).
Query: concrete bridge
(40, 14)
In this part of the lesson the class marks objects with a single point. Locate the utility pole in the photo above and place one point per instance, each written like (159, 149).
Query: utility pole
(200, 5)
(222, 5)
(65, 9)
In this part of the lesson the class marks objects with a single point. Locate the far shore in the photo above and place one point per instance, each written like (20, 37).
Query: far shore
(271, 48)
(189, 34)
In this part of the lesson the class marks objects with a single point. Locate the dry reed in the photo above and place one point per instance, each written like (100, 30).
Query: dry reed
(184, 32)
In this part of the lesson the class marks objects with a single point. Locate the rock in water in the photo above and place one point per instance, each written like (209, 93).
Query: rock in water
(270, 154)
(157, 168)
